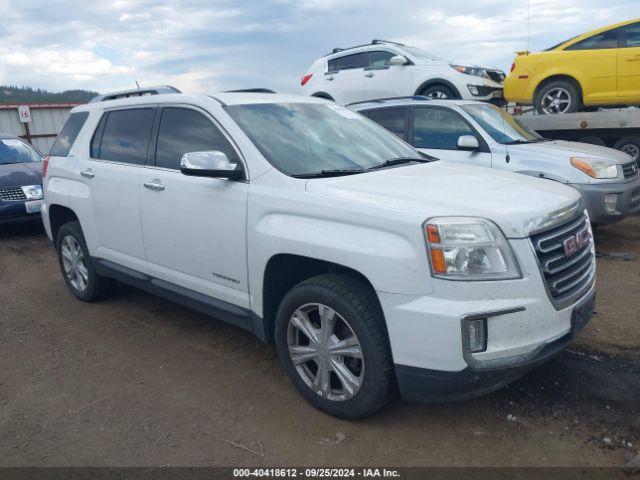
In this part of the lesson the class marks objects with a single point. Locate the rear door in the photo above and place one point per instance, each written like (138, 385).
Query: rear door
(118, 153)
(194, 227)
(382, 80)
(344, 77)
(629, 62)
(436, 130)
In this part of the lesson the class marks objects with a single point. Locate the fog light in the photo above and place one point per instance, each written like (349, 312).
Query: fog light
(477, 334)
(473, 89)
(611, 202)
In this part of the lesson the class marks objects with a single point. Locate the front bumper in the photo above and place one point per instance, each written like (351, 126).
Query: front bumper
(15, 212)
(427, 386)
(628, 200)
(484, 92)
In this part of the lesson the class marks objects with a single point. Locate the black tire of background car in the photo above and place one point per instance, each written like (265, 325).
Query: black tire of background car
(98, 287)
(629, 141)
(575, 104)
(443, 89)
(356, 302)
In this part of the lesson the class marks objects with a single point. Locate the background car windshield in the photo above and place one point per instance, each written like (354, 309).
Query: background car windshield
(502, 127)
(419, 54)
(13, 150)
(305, 138)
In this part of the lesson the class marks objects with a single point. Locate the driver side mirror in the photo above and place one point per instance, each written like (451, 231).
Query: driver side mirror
(468, 143)
(209, 164)
(398, 60)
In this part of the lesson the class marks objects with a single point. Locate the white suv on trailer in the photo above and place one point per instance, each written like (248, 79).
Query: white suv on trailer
(371, 267)
(388, 69)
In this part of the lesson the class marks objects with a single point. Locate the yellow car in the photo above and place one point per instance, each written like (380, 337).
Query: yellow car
(601, 67)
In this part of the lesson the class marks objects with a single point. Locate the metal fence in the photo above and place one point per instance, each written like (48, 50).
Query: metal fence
(46, 121)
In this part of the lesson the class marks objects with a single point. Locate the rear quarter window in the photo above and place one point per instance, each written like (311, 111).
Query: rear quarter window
(68, 134)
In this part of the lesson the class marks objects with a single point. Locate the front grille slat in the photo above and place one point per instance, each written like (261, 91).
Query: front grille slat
(566, 277)
(12, 194)
(634, 201)
(631, 169)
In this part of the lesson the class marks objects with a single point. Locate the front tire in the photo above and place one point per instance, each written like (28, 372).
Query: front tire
(559, 96)
(77, 268)
(332, 342)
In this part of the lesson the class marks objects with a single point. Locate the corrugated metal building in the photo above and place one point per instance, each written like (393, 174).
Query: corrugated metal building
(46, 122)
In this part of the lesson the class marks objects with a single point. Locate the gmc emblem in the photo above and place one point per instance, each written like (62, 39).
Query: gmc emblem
(575, 242)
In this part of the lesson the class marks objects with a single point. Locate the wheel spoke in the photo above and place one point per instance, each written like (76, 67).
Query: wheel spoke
(321, 383)
(302, 354)
(301, 321)
(349, 347)
(350, 382)
(327, 323)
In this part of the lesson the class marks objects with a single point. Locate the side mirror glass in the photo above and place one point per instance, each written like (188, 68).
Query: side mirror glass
(469, 143)
(397, 60)
(209, 164)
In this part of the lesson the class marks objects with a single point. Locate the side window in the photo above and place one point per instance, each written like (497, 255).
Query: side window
(348, 62)
(393, 119)
(68, 134)
(631, 35)
(601, 41)
(379, 59)
(125, 136)
(185, 130)
(438, 128)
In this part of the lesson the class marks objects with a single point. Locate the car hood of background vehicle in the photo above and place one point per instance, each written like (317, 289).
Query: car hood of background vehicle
(448, 189)
(556, 148)
(19, 174)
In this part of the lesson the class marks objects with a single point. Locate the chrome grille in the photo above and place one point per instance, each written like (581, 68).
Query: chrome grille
(630, 169)
(11, 194)
(567, 277)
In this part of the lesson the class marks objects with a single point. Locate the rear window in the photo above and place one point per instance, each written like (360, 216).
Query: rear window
(14, 150)
(393, 119)
(600, 41)
(68, 134)
(123, 136)
(348, 62)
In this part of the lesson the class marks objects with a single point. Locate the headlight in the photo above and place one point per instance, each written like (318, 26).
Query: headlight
(467, 248)
(595, 167)
(475, 71)
(32, 192)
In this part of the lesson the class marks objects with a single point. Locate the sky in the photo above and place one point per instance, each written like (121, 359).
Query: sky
(207, 46)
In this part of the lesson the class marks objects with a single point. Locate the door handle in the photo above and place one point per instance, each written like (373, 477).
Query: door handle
(154, 185)
(329, 78)
(88, 173)
(370, 74)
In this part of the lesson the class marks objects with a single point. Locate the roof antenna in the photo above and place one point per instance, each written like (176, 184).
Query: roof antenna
(528, 23)
(138, 86)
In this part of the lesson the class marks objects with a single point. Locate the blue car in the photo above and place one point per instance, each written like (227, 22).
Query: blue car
(20, 180)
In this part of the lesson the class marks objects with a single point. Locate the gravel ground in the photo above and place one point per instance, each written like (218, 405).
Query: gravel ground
(138, 381)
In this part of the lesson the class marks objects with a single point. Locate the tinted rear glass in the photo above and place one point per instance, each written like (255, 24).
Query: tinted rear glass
(632, 35)
(393, 119)
(608, 39)
(126, 136)
(13, 150)
(184, 130)
(68, 134)
(357, 60)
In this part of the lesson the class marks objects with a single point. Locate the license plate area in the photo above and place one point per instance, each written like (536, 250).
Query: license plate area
(582, 314)
(34, 206)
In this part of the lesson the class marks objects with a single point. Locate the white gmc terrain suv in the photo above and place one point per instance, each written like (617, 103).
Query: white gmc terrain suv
(384, 69)
(371, 267)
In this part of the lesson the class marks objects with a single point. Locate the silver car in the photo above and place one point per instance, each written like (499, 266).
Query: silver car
(482, 134)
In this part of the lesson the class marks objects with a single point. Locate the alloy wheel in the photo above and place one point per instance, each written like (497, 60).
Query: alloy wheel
(438, 94)
(556, 100)
(74, 264)
(325, 352)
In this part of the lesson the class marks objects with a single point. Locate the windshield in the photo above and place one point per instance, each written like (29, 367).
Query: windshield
(420, 54)
(502, 127)
(305, 138)
(13, 150)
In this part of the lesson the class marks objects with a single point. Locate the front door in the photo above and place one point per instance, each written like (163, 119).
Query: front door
(436, 131)
(629, 63)
(194, 227)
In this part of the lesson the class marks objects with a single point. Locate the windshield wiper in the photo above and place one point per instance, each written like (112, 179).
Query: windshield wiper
(520, 142)
(401, 160)
(330, 173)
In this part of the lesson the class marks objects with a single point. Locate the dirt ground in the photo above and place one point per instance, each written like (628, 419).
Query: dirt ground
(138, 381)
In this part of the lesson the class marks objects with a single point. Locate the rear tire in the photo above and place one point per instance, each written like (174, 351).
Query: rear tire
(76, 266)
(557, 97)
(440, 92)
(333, 327)
(629, 145)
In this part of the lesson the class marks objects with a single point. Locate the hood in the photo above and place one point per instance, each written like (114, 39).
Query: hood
(19, 174)
(511, 200)
(572, 149)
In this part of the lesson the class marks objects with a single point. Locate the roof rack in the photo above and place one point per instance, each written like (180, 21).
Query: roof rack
(380, 100)
(135, 92)
(251, 90)
(375, 41)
